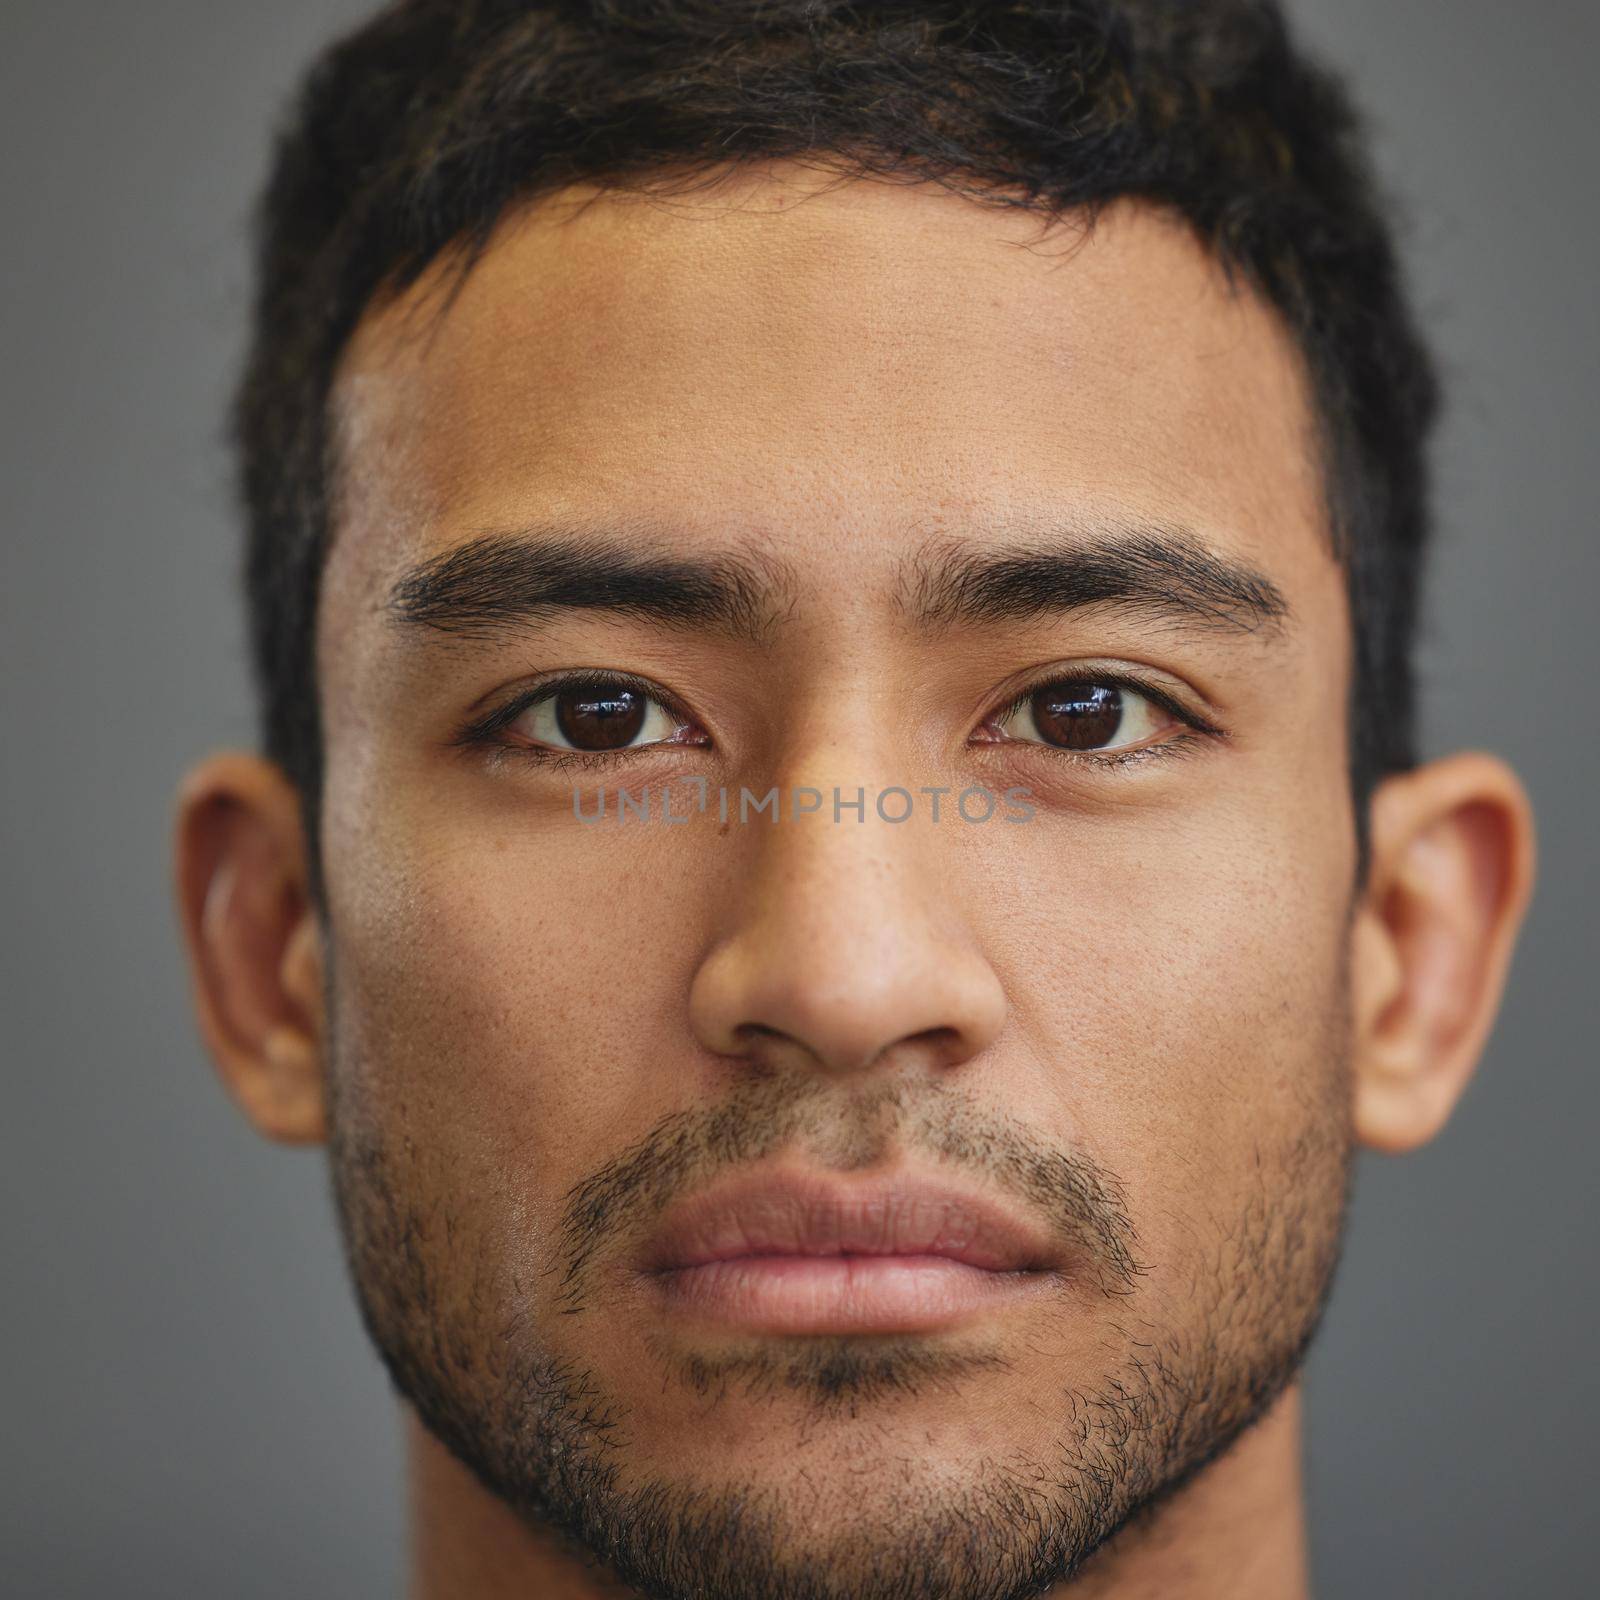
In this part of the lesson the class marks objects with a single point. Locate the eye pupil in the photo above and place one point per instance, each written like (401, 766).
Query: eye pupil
(1077, 714)
(608, 719)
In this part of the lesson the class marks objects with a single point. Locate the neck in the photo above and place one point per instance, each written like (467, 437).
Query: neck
(1236, 1532)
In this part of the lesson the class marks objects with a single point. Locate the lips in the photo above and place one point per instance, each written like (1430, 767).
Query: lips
(794, 1254)
(807, 1214)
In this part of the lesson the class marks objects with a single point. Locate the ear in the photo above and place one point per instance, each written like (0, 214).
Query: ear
(1452, 869)
(254, 945)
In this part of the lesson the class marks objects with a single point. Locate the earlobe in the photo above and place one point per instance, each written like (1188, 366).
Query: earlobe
(1452, 873)
(252, 940)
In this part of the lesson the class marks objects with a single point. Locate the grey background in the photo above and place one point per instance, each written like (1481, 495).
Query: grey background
(190, 1406)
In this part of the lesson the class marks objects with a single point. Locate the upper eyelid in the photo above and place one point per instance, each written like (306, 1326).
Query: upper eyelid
(550, 687)
(1157, 694)
(525, 699)
(496, 720)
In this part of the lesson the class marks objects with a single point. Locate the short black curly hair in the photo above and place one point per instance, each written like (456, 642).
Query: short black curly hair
(412, 136)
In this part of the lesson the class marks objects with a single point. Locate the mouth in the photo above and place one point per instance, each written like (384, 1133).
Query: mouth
(805, 1253)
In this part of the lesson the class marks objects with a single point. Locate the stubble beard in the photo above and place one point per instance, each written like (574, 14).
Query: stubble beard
(543, 1433)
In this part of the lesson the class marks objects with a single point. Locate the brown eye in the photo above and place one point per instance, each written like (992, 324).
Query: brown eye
(605, 721)
(1083, 714)
(1077, 716)
(597, 715)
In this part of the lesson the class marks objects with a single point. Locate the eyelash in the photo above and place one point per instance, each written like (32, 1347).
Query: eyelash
(484, 734)
(1183, 744)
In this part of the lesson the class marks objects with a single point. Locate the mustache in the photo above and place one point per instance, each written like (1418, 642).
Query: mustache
(1077, 1198)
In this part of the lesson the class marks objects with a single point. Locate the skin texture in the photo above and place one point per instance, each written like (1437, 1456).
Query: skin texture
(1155, 1020)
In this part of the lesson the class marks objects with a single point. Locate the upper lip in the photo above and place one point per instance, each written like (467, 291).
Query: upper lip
(801, 1213)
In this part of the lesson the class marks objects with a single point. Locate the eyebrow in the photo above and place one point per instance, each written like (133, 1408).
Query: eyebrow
(498, 583)
(502, 582)
(1157, 574)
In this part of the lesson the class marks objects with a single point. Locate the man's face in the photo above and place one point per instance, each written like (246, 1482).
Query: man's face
(900, 425)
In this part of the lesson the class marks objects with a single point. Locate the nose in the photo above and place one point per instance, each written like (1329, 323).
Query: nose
(844, 946)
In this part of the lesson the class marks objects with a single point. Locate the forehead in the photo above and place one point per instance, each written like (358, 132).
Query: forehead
(839, 369)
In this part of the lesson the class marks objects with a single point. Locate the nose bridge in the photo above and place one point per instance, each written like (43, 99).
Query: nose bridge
(840, 886)
(843, 942)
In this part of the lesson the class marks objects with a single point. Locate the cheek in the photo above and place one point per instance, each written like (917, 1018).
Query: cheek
(1188, 1005)
(500, 993)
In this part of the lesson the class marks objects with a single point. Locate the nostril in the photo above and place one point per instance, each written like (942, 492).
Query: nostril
(838, 995)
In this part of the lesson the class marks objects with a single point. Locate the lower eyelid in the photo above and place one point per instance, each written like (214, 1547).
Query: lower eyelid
(549, 757)
(1186, 740)
(672, 740)
(1187, 732)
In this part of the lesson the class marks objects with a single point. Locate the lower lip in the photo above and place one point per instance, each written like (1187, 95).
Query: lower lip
(842, 1294)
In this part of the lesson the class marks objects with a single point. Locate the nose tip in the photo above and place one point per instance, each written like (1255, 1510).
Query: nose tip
(845, 951)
